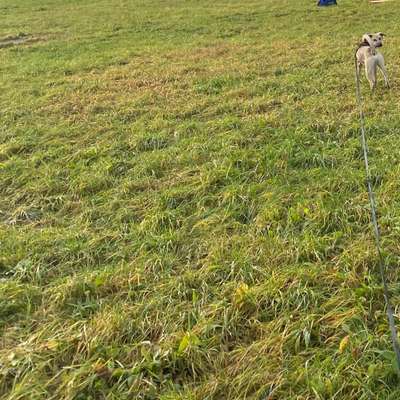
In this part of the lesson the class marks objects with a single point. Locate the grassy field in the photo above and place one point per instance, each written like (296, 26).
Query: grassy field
(182, 204)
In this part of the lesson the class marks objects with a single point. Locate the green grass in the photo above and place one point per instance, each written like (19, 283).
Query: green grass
(182, 204)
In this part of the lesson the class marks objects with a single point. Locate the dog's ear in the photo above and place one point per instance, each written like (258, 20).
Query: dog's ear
(381, 34)
(367, 38)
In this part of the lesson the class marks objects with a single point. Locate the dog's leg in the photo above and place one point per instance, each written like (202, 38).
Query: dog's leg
(370, 72)
(358, 68)
(381, 65)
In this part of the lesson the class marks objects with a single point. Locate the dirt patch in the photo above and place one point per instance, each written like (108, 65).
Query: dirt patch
(17, 40)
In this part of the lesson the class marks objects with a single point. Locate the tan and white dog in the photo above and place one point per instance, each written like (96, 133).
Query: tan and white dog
(368, 55)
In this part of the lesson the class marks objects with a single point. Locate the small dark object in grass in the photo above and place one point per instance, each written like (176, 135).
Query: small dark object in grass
(327, 2)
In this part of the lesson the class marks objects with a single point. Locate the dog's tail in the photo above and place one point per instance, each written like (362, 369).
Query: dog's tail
(355, 58)
(357, 67)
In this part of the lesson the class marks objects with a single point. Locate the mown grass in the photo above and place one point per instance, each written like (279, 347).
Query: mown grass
(183, 211)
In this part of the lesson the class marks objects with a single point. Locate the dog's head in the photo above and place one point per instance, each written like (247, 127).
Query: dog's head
(374, 39)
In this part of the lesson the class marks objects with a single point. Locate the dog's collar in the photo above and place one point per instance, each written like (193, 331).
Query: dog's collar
(364, 44)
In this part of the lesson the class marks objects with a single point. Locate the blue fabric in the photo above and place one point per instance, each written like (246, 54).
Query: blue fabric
(326, 2)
